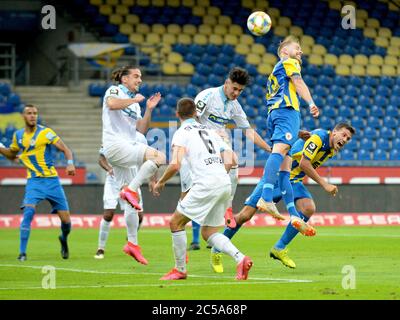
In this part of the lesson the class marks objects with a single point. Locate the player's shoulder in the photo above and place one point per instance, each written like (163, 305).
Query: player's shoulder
(322, 133)
(206, 94)
(113, 89)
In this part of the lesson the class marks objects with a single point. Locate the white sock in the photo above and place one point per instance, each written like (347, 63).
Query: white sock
(132, 223)
(223, 244)
(234, 176)
(146, 171)
(179, 243)
(103, 233)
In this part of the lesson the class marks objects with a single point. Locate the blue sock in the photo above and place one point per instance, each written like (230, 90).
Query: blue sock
(287, 192)
(196, 232)
(25, 228)
(270, 175)
(65, 230)
(289, 234)
(229, 233)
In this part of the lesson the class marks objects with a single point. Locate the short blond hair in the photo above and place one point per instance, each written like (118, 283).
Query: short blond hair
(287, 41)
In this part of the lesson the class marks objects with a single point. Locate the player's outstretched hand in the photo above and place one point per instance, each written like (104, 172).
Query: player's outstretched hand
(70, 170)
(138, 98)
(332, 189)
(157, 188)
(304, 134)
(153, 100)
(314, 111)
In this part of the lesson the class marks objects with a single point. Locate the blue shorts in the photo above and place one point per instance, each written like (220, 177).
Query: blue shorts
(299, 192)
(283, 125)
(38, 189)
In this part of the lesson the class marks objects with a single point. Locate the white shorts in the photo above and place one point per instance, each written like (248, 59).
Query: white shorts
(125, 154)
(111, 194)
(205, 205)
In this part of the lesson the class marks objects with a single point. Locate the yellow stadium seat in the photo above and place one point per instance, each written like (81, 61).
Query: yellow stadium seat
(231, 39)
(395, 41)
(210, 20)
(126, 28)
(389, 71)
(122, 10)
(335, 5)
(281, 31)
(190, 29)
(158, 3)
(205, 29)
(203, 3)
(360, 23)
(269, 58)
(235, 30)
(316, 59)
(132, 19)
(361, 59)
(175, 57)
(128, 3)
(168, 38)
(393, 7)
(143, 3)
(213, 11)
(331, 59)
(362, 14)
(253, 58)
(274, 12)
(174, 29)
(373, 23)
(375, 60)
(398, 70)
(242, 48)
(173, 3)
(382, 42)
(342, 70)
(296, 31)
(393, 51)
(373, 70)
(199, 11)
(370, 32)
(257, 48)
(185, 68)
(158, 28)
(153, 38)
(200, 39)
(106, 10)
(136, 38)
(169, 68)
(142, 28)
(358, 70)
(391, 61)
(346, 59)
(112, 2)
(116, 19)
(184, 39)
(220, 30)
(284, 22)
(216, 39)
(224, 21)
(307, 50)
(307, 40)
(188, 3)
(166, 49)
(264, 68)
(248, 4)
(246, 39)
(262, 5)
(96, 2)
(319, 49)
(385, 32)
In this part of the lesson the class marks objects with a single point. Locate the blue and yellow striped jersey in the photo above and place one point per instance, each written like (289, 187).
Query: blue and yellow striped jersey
(316, 149)
(35, 153)
(281, 92)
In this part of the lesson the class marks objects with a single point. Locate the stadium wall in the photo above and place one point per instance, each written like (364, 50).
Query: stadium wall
(88, 199)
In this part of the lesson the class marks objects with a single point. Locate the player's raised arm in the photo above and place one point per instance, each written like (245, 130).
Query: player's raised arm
(9, 153)
(304, 92)
(60, 145)
(142, 125)
(256, 138)
(119, 104)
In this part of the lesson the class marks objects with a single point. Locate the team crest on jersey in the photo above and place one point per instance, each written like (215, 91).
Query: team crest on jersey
(32, 143)
(288, 136)
(114, 91)
(311, 147)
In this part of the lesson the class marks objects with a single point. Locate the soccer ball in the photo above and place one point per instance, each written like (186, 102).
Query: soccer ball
(259, 23)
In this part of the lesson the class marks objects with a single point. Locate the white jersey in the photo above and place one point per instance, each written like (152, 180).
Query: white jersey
(203, 147)
(215, 110)
(119, 124)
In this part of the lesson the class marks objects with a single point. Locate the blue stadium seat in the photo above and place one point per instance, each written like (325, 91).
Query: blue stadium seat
(371, 81)
(326, 123)
(349, 102)
(364, 101)
(333, 101)
(367, 144)
(352, 145)
(258, 91)
(192, 58)
(352, 91)
(383, 91)
(204, 69)
(396, 90)
(212, 49)
(5, 89)
(220, 70)
(250, 111)
(392, 111)
(367, 90)
(377, 112)
(381, 101)
(224, 59)
(214, 81)
(261, 80)
(171, 100)
(310, 80)
(345, 111)
(309, 123)
(337, 91)
(253, 101)
(383, 144)
(386, 133)
(239, 60)
(327, 110)
(176, 90)
(370, 133)
(198, 79)
(196, 49)
(347, 155)
(14, 99)
(321, 91)
(192, 90)
(208, 59)
(356, 81)
(357, 122)
(361, 111)
(364, 155)
(373, 122)
(395, 100)
(394, 155)
(390, 122)
(387, 81)
(325, 80)
(380, 155)
(340, 81)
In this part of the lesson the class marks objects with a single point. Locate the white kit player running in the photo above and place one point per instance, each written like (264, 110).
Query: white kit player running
(111, 200)
(121, 118)
(209, 196)
(215, 108)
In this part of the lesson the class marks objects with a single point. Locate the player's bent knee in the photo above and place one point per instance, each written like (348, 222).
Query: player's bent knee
(108, 215)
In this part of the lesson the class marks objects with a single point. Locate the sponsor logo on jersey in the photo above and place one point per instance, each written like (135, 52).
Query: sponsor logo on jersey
(130, 113)
(216, 119)
(311, 147)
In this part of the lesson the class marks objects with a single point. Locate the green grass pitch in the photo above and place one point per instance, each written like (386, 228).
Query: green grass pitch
(373, 252)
